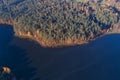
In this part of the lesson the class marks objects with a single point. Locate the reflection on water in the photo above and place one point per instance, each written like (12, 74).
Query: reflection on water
(15, 57)
(98, 60)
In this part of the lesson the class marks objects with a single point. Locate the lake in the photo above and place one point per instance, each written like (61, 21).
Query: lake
(97, 60)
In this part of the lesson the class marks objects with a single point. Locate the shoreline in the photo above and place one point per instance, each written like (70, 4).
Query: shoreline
(52, 44)
(64, 44)
(59, 43)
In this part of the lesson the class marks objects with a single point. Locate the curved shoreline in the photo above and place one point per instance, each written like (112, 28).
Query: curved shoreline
(114, 29)
(53, 43)
(64, 42)
(60, 43)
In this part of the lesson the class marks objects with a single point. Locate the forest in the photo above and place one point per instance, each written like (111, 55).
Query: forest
(60, 22)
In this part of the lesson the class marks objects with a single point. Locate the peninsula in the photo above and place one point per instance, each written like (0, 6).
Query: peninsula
(54, 23)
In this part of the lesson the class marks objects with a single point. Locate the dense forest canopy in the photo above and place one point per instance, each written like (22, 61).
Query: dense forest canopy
(60, 20)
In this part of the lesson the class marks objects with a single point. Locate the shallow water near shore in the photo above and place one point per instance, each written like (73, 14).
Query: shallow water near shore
(97, 60)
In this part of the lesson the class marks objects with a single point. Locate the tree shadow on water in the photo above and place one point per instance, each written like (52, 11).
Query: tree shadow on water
(15, 57)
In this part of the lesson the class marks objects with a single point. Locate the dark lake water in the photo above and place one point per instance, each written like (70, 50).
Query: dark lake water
(98, 60)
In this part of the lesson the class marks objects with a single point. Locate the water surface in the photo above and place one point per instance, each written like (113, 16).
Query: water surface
(98, 60)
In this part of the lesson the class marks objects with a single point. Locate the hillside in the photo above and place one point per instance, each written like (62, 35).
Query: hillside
(61, 22)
